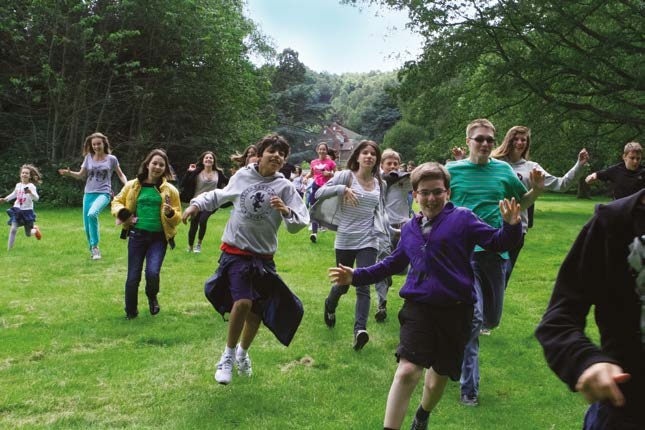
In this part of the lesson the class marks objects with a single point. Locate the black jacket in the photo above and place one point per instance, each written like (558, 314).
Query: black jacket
(596, 272)
(189, 180)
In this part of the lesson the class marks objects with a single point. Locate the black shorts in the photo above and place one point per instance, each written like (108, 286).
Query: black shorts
(435, 336)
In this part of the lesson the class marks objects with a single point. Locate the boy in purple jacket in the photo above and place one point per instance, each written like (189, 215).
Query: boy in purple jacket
(436, 316)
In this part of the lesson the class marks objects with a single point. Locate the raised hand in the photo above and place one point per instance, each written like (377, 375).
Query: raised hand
(583, 156)
(537, 179)
(510, 211)
(458, 153)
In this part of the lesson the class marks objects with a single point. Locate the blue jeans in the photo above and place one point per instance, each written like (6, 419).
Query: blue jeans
(148, 246)
(363, 257)
(93, 205)
(513, 254)
(489, 289)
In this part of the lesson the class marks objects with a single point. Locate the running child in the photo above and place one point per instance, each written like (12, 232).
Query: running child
(246, 283)
(22, 212)
(439, 296)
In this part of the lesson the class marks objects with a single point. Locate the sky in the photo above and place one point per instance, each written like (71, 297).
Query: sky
(336, 38)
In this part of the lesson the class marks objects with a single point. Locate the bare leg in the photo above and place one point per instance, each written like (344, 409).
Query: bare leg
(433, 389)
(241, 309)
(405, 380)
(251, 328)
(13, 230)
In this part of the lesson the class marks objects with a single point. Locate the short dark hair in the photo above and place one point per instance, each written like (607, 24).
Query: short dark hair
(273, 141)
(430, 170)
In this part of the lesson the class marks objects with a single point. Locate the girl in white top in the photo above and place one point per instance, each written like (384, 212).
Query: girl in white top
(22, 212)
(360, 227)
(97, 168)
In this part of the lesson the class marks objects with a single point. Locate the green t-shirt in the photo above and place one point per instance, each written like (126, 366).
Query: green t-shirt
(480, 187)
(149, 209)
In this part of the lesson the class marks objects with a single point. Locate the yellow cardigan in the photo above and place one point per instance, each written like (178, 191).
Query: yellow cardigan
(127, 198)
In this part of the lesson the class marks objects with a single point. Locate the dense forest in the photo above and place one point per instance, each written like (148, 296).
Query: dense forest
(177, 74)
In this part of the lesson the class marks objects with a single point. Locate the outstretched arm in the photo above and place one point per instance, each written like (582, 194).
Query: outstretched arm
(76, 175)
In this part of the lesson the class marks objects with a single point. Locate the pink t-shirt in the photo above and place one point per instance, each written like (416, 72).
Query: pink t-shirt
(319, 166)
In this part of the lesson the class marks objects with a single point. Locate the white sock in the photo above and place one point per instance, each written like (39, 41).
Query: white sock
(229, 351)
(240, 352)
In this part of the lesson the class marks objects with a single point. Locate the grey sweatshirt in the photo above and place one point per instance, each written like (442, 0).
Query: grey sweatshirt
(253, 225)
(523, 168)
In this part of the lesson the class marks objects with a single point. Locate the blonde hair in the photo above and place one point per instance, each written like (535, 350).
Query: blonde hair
(34, 174)
(480, 122)
(633, 147)
(390, 153)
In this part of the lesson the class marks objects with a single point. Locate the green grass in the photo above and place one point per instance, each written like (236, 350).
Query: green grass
(69, 359)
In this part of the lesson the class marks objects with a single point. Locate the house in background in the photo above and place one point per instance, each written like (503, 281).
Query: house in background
(341, 139)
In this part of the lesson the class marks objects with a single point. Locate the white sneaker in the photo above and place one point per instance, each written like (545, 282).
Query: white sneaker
(224, 372)
(96, 253)
(243, 363)
(197, 249)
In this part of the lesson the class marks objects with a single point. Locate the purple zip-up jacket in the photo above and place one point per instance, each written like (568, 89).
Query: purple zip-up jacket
(440, 272)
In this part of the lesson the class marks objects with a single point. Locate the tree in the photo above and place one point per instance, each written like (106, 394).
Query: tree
(157, 73)
(289, 71)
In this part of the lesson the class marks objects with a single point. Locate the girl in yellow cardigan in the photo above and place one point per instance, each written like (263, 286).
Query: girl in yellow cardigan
(148, 207)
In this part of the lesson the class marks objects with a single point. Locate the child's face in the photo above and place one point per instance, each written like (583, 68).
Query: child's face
(432, 196)
(97, 145)
(632, 160)
(390, 165)
(367, 157)
(25, 175)
(322, 151)
(156, 168)
(271, 161)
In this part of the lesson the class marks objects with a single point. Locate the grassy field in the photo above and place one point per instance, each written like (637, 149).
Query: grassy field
(69, 359)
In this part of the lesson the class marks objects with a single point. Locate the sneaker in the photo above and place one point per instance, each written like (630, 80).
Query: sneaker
(197, 249)
(419, 425)
(189, 249)
(224, 371)
(381, 312)
(243, 363)
(360, 339)
(469, 400)
(96, 253)
(484, 332)
(37, 233)
(313, 237)
(330, 316)
(131, 316)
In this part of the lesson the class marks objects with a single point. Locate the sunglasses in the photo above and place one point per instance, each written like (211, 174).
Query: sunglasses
(481, 139)
(436, 192)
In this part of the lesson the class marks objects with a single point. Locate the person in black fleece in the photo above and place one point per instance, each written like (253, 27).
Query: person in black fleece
(604, 269)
